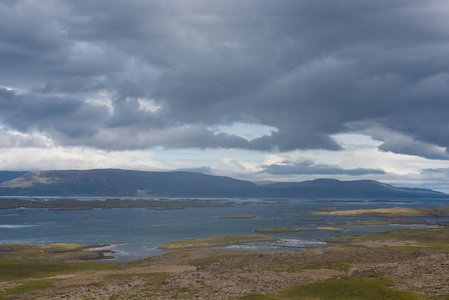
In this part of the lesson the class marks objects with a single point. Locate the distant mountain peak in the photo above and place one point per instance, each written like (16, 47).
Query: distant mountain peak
(118, 182)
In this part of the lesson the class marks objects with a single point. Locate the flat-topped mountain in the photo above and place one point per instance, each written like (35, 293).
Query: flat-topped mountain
(116, 182)
(9, 175)
(123, 182)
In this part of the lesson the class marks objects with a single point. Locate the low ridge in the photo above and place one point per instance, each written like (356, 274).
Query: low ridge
(117, 182)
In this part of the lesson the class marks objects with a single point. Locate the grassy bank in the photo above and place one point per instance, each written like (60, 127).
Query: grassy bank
(394, 212)
(217, 241)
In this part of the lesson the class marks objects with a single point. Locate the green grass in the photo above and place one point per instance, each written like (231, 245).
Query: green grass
(390, 212)
(321, 229)
(217, 241)
(428, 238)
(343, 289)
(131, 275)
(30, 286)
(278, 229)
(331, 208)
(382, 222)
(339, 266)
(47, 253)
(330, 228)
(407, 250)
(215, 258)
(10, 271)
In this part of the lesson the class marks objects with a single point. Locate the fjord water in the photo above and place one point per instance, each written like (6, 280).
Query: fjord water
(137, 232)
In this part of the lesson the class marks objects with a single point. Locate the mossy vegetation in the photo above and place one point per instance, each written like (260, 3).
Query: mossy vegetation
(339, 266)
(205, 261)
(278, 229)
(323, 228)
(40, 271)
(343, 289)
(329, 208)
(416, 238)
(385, 222)
(28, 286)
(281, 229)
(39, 261)
(160, 275)
(217, 241)
(37, 271)
(10, 271)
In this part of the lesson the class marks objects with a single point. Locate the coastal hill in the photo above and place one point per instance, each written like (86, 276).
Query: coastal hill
(123, 183)
(324, 188)
(9, 175)
(116, 182)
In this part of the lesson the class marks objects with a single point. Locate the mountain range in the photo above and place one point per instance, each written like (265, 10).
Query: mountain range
(117, 182)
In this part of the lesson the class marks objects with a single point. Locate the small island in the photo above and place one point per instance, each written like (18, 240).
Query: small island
(397, 212)
(217, 241)
(330, 208)
(278, 229)
(322, 229)
(389, 222)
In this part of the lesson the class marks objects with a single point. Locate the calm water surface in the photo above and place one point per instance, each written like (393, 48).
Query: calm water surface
(140, 231)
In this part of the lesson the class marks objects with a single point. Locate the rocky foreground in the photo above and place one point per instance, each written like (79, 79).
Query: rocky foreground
(399, 264)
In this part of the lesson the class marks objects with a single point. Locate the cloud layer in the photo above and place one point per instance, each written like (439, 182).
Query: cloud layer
(118, 75)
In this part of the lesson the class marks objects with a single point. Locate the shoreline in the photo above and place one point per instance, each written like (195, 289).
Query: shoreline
(209, 273)
(216, 242)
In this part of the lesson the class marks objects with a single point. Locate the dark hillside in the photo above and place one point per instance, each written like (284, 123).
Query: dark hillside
(9, 175)
(115, 182)
(125, 182)
(325, 188)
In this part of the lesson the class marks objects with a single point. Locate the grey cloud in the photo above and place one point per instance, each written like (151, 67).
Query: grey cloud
(415, 148)
(398, 143)
(308, 167)
(178, 137)
(68, 117)
(310, 69)
(437, 171)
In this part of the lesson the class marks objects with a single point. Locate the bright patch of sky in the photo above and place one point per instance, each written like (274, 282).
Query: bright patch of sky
(149, 105)
(244, 130)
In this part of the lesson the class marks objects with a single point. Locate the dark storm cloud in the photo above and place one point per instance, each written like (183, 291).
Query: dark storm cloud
(63, 116)
(310, 69)
(308, 167)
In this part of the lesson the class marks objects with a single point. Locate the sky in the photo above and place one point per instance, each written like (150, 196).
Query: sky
(261, 90)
